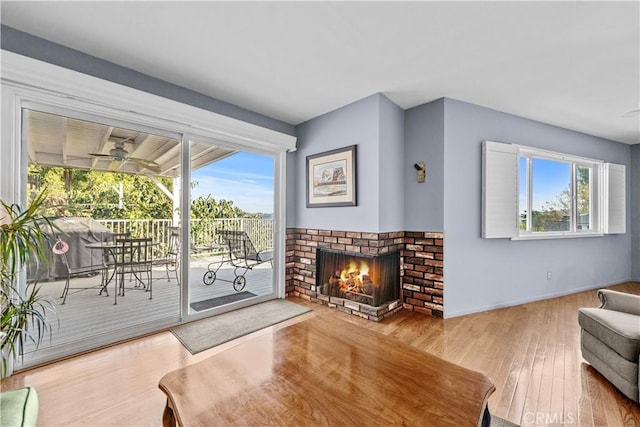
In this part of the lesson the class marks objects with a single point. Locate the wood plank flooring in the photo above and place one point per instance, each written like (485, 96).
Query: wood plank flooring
(530, 351)
(88, 319)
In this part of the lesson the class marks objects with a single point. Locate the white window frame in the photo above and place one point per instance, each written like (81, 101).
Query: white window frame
(574, 162)
(500, 193)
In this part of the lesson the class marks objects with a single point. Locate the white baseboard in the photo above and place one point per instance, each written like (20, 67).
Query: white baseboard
(448, 315)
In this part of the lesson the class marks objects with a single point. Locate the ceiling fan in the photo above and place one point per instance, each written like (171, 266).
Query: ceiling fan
(119, 154)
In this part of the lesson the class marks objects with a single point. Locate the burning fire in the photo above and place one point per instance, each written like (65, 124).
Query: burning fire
(354, 277)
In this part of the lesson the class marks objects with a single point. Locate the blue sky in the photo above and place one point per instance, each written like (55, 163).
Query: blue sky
(550, 179)
(244, 178)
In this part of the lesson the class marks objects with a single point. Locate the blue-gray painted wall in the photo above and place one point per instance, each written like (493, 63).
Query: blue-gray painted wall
(375, 125)
(391, 167)
(446, 134)
(25, 44)
(635, 212)
(481, 273)
(424, 141)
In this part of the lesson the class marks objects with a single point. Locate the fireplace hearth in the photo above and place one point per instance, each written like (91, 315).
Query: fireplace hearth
(370, 280)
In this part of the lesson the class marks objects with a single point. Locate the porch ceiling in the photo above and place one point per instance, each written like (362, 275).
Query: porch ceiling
(54, 140)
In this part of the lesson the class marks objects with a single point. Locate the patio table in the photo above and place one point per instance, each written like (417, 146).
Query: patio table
(111, 251)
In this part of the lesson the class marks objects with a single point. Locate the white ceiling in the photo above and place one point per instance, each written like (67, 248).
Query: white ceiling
(54, 140)
(571, 64)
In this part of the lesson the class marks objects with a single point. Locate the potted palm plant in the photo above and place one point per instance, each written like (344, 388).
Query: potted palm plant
(25, 315)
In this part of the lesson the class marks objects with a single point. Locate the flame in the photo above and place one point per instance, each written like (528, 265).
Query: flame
(354, 274)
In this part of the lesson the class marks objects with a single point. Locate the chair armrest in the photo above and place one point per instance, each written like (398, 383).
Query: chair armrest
(619, 301)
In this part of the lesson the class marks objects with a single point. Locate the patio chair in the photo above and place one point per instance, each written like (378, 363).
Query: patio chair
(109, 257)
(133, 256)
(242, 254)
(171, 258)
(60, 249)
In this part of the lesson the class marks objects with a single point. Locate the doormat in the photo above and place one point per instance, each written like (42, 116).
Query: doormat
(206, 333)
(501, 422)
(226, 299)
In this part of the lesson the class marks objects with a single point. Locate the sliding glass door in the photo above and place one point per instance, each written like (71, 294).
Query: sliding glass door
(117, 164)
(231, 228)
(107, 184)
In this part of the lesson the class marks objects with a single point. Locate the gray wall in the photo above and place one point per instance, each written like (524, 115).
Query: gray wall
(482, 274)
(375, 125)
(391, 167)
(424, 141)
(25, 44)
(635, 212)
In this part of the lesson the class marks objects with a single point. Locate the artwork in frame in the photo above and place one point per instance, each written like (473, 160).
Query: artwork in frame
(331, 178)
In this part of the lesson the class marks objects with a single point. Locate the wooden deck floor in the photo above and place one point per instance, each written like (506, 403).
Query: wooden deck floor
(89, 316)
(530, 351)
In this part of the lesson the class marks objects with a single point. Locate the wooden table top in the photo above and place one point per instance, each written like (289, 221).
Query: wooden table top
(324, 372)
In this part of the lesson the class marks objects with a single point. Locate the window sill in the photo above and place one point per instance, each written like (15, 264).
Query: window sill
(544, 236)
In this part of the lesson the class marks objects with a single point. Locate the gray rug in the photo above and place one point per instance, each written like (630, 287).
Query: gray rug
(206, 333)
(500, 422)
(215, 302)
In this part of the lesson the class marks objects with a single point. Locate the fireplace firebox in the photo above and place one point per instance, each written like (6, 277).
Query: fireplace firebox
(366, 279)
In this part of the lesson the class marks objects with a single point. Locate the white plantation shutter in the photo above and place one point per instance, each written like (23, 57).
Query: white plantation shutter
(614, 199)
(499, 190)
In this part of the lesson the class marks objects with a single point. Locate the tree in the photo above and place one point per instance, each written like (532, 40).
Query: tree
(76, 192)
(555, 213)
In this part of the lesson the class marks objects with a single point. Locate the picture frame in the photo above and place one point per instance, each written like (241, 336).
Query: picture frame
(332, 178)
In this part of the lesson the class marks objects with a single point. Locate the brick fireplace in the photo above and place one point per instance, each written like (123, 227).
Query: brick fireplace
(420, 268)
(372, 280)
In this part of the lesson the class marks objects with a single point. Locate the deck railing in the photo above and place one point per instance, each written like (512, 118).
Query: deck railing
(203, 231)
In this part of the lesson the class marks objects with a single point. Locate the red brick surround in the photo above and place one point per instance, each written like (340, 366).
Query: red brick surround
(421, 266)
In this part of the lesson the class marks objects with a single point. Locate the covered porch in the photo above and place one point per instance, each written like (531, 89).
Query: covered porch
(87, 313)
(112, 161)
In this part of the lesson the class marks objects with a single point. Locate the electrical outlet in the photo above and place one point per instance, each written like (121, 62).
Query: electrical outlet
(548, 275)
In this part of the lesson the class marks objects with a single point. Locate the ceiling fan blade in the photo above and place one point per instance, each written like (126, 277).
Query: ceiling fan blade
(143, 161)
(152, 166)
(99, 155)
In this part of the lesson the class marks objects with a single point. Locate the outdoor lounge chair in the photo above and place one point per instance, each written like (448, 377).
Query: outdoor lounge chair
(242, 254)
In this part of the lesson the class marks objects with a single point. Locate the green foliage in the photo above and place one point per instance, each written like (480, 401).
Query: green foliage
(21, 239)
(110, 195)
(100, 195)
(206, 207)
(554, 215)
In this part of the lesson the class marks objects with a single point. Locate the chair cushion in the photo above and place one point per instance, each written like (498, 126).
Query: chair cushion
(618, 330)
(19, 407)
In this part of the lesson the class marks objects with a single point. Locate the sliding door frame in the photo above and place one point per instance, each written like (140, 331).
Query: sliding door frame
(26, 81)
(279, 237)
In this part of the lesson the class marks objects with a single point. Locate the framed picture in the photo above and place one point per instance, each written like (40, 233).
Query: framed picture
(331, 178)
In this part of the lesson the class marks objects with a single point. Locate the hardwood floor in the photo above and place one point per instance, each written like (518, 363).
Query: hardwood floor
(530, 351)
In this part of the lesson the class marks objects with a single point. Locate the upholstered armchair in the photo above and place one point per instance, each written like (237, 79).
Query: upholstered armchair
(610, 339)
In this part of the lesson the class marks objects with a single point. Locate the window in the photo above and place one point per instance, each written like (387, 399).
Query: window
(529, 193)
(555, 194)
